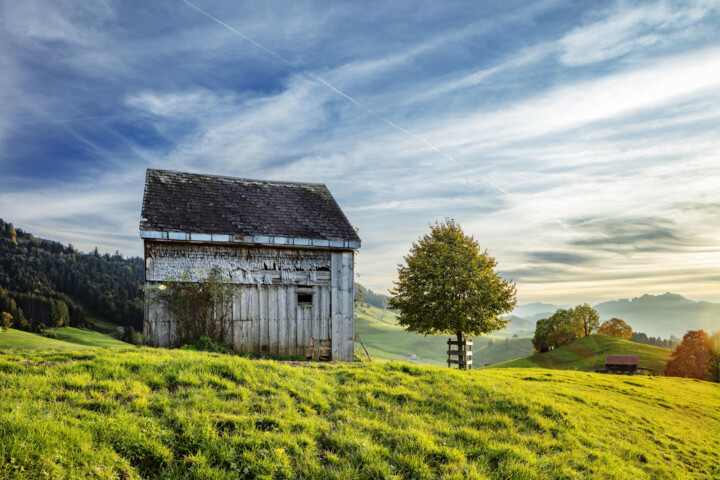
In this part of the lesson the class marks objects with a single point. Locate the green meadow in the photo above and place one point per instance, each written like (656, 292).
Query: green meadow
(589, 352)
(146, 413)
(386, 340)
(64, 338)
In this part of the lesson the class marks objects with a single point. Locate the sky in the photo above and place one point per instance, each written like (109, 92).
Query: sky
(578, 142)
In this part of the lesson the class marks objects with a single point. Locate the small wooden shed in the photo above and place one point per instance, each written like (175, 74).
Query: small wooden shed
(622, 363)
(287, 246)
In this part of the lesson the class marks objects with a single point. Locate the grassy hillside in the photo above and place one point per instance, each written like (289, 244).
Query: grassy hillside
(66, 338)
(589, 352)
(386, 340)
(502, 350)
(145, 413)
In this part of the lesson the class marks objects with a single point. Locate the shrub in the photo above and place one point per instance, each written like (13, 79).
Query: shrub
(206, 344)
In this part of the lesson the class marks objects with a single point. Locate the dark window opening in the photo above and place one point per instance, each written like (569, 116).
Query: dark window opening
(304, 299)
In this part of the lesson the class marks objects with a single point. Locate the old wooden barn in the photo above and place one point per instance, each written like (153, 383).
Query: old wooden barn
(287, 246)
(622, 363)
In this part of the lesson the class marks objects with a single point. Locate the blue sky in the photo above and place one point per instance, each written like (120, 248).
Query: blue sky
(579, 142)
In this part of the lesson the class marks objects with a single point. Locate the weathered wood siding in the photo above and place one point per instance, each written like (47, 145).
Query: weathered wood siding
(240, 264)
(269, 320)
(266, 315)
(342, 284)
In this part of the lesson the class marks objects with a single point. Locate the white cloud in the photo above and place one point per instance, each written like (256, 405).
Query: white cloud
(572, 106)
(78, 23)
(626, 30)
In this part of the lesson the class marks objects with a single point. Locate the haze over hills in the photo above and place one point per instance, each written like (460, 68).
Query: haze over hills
(666, 314)
(519, 324)
(529, 310)
(656, 315)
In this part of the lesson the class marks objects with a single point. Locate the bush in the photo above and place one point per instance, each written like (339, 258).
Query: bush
(200, 308)
(206, 344)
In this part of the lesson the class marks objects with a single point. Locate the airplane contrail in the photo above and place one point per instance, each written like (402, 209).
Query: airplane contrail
(341, 93)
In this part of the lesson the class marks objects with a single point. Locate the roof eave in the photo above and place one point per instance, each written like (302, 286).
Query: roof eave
(250, 239)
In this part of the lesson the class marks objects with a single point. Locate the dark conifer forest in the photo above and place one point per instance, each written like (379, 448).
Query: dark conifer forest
(46, 284)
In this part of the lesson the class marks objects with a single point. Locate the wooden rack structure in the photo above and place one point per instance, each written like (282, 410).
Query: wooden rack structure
(463, 351)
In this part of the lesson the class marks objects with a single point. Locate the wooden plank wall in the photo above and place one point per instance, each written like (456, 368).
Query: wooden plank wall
(268, 319)
(342, 284)
(159, 328)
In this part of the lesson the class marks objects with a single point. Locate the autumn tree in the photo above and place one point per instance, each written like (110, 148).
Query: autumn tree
(6, 320)
(10, 233)
(359, 294)
(588, 317)
(715, 357)
(449, 286)
(692, 358)
(615, 328)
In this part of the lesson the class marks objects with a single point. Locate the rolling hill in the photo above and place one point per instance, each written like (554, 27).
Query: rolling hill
(63, 338)
(589, 352)
(55, 285)
(165, 414)
(386, 340)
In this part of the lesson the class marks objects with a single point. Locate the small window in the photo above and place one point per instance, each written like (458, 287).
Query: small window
(304, 299)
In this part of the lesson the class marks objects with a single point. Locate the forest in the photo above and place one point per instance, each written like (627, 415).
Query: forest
(45, 284)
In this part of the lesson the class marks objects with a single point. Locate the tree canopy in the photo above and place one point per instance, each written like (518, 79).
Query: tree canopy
(715, 356)
(615, 327)
(449, 286)
(564, 326)
(693, 357)
(588, 317)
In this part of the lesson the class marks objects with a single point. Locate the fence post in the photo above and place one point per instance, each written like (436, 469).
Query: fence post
(463, 351)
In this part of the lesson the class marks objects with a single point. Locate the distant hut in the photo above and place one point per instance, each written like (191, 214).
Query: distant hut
(622, 363)
(287, 246)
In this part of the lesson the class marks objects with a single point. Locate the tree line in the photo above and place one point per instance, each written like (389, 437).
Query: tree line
(365, 295)
(564, 326)
(639, 337)
(46, 284)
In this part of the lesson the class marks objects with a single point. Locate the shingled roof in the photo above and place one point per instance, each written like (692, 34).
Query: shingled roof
(238, 207)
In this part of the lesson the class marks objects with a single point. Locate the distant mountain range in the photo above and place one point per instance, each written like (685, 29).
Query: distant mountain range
(519, 324)
(656, 315)
(533, 309)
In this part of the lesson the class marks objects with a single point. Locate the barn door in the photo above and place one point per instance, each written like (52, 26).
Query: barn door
(312, 319)
(281, 319)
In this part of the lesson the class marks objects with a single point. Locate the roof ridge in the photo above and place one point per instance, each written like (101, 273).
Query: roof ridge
(284, 182)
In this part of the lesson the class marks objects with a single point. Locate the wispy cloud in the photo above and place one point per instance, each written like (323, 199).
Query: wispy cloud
(629, 29)
(599, 121)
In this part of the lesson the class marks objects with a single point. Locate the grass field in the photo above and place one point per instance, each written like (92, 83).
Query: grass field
(68, 338)
(145, 413)
(386, 340)
(589, 352)
(103, 326)
(502, 350)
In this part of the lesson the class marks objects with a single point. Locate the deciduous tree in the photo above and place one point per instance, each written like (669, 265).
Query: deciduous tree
(587, 317)
(615, 327)
(6, 320)
(559, 329)
(449, 286)
(692, 358)
(715, 356)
